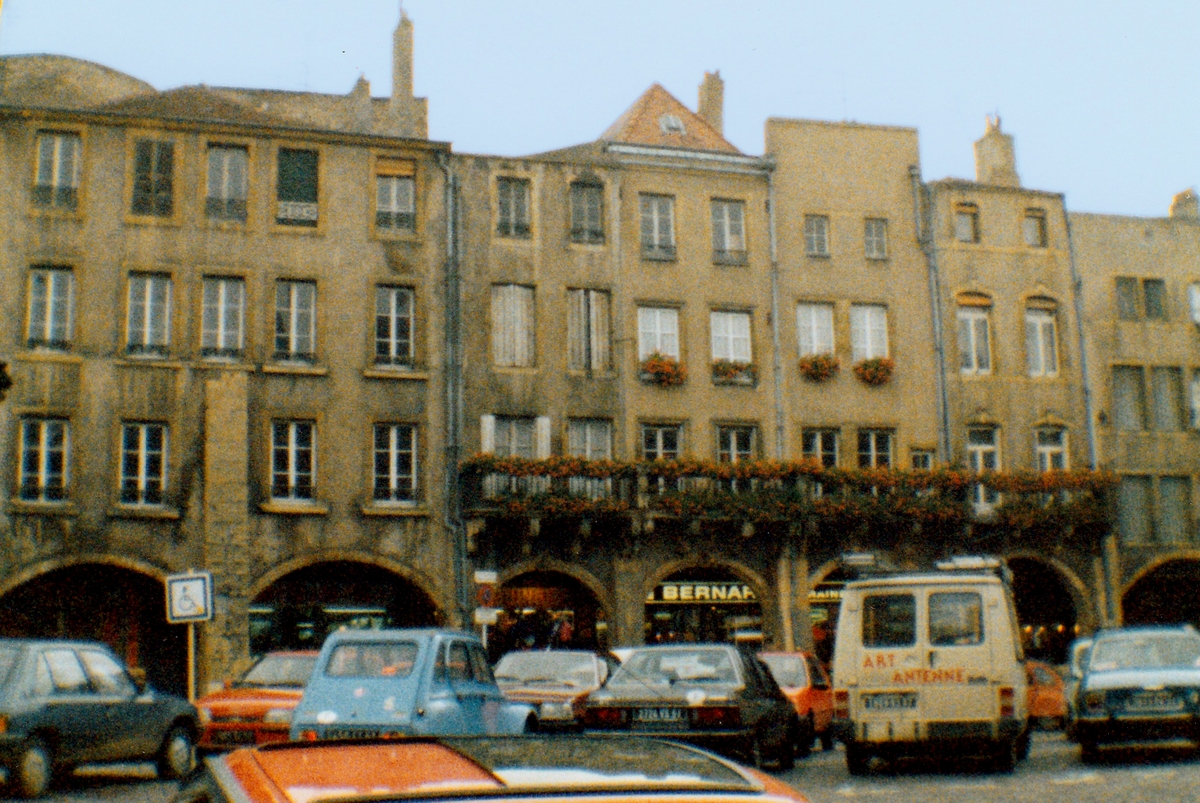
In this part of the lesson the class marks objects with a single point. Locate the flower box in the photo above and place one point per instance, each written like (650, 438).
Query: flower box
(729, 372)
(819, 367)
(875, 371)
(659, 369)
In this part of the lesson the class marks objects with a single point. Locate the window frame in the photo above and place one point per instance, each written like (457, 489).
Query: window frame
(47, 492)
(221, 350)
(298, 224)
(660, 452)
(292, 449)
(48, 314)
(227, 221)
(1042, 347)
(139, 485)
(726, 341)
(587, 196)
(291, 332)
(869, 457)
(514, 223)
(1046, 453)
(1166, 398)
(875, 238)
(388, 488)
(513, 326)
(816, 234)
(728, 248)
(134, 138)
(1139, 404)
(813, 327)
(391, 357)
(867, 326)
(658, 332)
(404, 169)
(145, 349)
(966, 216)
(1033, 228)
(979, 455)
(589, 330)
(73, 205)
(822, 444)
(656, 228)
(972, 355)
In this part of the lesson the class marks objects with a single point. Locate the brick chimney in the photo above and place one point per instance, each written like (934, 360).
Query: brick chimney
(1186, 205)
(712, 101)
(410, 114)
(995, 159)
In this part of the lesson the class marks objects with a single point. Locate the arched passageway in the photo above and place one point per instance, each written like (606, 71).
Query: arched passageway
(123, 608)
(548, 609)
(1045, 609)
(824, 603)
(704, 604)
(298, 610)
(1165, 595)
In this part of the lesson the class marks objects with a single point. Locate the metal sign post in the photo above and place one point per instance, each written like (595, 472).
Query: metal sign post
(189, 600)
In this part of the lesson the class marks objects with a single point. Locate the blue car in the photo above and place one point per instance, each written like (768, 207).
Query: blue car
(380, 683)
(1140, 684)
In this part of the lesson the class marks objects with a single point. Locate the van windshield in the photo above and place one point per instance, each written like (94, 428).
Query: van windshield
(889, 620)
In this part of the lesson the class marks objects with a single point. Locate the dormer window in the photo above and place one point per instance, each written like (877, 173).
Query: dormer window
(671, 124)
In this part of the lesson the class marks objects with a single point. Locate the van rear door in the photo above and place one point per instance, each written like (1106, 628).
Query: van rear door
(957, 668)
(889, 703)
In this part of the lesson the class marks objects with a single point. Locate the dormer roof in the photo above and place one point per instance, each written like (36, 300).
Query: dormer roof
(658, 119)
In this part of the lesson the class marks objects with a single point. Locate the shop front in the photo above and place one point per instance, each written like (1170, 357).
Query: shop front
(547, 610)
(703, 606)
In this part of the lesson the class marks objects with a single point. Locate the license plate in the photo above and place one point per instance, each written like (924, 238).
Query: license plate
(658, 715)
(891, 701)
(1154, 701)
(233, 737)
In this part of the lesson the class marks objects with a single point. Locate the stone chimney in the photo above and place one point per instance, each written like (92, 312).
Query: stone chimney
(1186, 205)
(410, 115)
(995, 159)
(712, 101)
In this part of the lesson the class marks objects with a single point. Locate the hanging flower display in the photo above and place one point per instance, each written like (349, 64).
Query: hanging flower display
(729, 372)
(875, 371)
(661, 370)
(819, 367)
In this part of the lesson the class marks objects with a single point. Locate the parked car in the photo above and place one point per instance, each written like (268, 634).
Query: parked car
(806, 685)
(1077, 655)
(1045, 692)
(370, 683)
(482, 770)
(257, 707)
(712, 695)
(557, 682)
(64, 703)
(1140, 684)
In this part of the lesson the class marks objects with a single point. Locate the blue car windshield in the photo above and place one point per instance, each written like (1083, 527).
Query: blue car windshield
(360, 659)
(1145, 651)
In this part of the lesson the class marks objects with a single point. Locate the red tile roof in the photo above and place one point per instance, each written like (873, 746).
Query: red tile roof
(647, 122)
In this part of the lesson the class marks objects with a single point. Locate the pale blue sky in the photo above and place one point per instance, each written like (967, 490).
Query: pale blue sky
(1103, 97)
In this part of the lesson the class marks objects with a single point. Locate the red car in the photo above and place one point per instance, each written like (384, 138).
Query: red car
(806, 685)
(256, 708)
(1046, 694)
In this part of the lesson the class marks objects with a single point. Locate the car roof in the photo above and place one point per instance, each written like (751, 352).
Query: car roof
(943, 578)
(22, 643)
(470, 767)
(396, 634)
(1145, 630)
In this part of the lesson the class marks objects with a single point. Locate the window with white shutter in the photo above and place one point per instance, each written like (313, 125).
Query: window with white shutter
(814, 328)
(658, 332)
(588, 330)
(868, 331)
(731, 336)
(513, 343)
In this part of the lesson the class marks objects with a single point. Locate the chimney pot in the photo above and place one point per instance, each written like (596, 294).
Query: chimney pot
(712, 101)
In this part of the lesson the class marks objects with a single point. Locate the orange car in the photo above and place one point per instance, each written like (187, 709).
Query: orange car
(256, 708)
(805, 683)
(485, 769)
(1047, 697)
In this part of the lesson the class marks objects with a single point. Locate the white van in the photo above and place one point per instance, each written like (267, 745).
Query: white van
(929, 663)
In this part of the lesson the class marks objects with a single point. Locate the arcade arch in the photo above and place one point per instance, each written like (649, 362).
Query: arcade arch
(705, 602)
(544, 607)
(1164, 593)
(1051, 608)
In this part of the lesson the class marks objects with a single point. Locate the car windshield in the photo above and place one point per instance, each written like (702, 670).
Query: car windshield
(372, 659)
(1144, 651)
(788, 670)
(564, 668)
(8, 657)
(682, 665)
(282, 670)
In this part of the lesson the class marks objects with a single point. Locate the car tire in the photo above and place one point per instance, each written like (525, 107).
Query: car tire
(177, 754)
(1024, 742)
(804, 738)
(858, 759)
(1006, 757)
(755, 756)
(785, 752)
(827, 740)
(33, 770)
(531, 725)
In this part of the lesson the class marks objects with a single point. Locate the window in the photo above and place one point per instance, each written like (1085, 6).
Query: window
(868, 331)
(1138, 299)
(1173, 523)
(587, 212)
(983, 455)
(874, 448)
(153, 178)
(955, 618)
(107, 676)
(1129, 398)
(1155, 291)
(875, 238)
(56, 185)
(1144, 517)
(658, 226)
(143, 464)
(816, 235)
(589, 345)
(1051, 446)
(736, 444)
(1033, 227)
(1166, 392)
(921, 459)
(394, 309)
(513, 326)
(148, 327)
(1134, 510)
(297, 188)
(222, 317)
(293, 459)
(394, 473)
(731, 336)
(295, 321)
(395, 195)
(1041, 343)
(814, 328)
(1194, 302)
(728, 232)
(889, 620)
(590, 438)
(51, 307)
(514, 437)
(228, 183)
(658, 332)
(974, 349)
(1194, 399)
(661, 441)
(512, 199)
(820, 445)
(42, 475)
(966, 223)
(1128, 299)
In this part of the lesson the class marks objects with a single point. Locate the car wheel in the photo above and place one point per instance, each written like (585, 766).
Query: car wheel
(754, 752)
(858, 760)
(33, 770)
(177, 754)
(1005, 759)
(827, 740)
(1024, 742)
(804, 738)
(785, 752)
(531, 725)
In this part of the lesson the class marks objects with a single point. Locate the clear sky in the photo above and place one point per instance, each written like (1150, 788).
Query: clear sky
(1102, 96)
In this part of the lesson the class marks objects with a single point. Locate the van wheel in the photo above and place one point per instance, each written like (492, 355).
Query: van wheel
(858, 760)
(33, 770)
(1023, 744)
(1006, 756)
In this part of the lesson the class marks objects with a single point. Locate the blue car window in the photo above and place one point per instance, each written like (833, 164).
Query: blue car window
(458, 663)
(372, 659)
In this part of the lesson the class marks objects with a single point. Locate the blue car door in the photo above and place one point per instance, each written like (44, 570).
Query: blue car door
(467, 692)
(492, 699)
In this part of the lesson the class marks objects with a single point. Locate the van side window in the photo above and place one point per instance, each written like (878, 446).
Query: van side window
(955, 618)
(889, 620)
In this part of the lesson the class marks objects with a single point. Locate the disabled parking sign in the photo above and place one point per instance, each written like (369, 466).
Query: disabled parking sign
(189, 597)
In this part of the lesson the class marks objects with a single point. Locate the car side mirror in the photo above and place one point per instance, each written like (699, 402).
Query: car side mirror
(138, 676)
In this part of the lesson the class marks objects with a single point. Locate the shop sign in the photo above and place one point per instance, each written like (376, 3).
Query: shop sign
(825, 594)
(702, 592)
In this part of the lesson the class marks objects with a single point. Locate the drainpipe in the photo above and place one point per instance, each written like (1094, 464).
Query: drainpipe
(778, 351)
(925, 239)
(1108, 545)
(453, 398)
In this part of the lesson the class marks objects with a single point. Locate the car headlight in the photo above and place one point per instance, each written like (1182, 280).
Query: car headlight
(278, 715)
(205, 715)
(556, 711)
(1093, 701)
